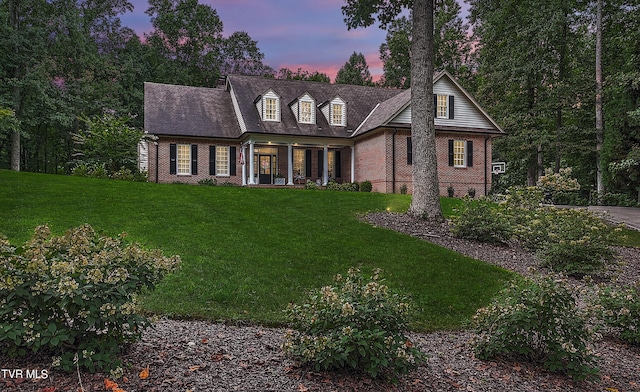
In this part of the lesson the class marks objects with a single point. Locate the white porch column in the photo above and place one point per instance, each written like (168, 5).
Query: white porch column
(353, 164)
(244, 165)
(252, 173)
(325, 166)
(290, 165)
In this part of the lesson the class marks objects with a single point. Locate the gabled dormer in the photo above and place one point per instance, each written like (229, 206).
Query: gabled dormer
(268, 105)
(335, 112)
(304, 109)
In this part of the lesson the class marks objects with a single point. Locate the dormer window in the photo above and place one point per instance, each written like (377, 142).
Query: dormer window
(269, 106)
(305, 112)
(304, 109)
(338, 115)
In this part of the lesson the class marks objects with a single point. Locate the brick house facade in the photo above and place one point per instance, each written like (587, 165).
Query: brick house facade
(256, 131)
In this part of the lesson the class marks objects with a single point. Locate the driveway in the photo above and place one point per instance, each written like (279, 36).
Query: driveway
(627, 215)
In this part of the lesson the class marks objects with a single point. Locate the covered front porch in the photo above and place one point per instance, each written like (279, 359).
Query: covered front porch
(280, 160)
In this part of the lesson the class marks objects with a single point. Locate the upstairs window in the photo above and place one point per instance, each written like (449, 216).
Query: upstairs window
(337, 114)
(270, 109)
(306, 110)
(441, 110)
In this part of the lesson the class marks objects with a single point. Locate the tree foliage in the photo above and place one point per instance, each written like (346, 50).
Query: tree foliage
(355, 71)
(301, 74)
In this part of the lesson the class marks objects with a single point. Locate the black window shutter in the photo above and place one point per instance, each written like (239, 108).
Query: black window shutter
(338, 165)
(173, 156)
(320, 162)
(232, 161)
(469, 153)
(450, 152)
(409, 152)
(194, 159)
(212, 160)
(435, 105)
(451, 106)
(307, 163)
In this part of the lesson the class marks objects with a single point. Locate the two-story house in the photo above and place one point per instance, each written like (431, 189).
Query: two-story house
(256, 131)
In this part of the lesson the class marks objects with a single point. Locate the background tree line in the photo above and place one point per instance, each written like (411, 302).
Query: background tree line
(531, 66)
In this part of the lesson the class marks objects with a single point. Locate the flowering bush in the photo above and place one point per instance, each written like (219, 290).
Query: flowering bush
(75, 295)
(357, 324)
(344, 187)
(619, 308)
(557, 182)
(537, 320)
(482, 220)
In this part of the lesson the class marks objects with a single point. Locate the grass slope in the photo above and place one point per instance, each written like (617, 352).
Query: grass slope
(248, 252)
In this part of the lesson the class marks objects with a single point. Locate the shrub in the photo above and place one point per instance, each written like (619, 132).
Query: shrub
(344, 187)
(537, 320)
(75, 295)
(481, 220)
(366, 186)
(558, 182)
(618, 199)
(403, 189)
(450, 191)
(619, 308)
(311, 185)
(471, 192)
(356, 324)
(82, 170)
(208, 182)
(123, 174)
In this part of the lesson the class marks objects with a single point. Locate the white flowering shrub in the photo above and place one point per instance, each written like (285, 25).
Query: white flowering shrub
(482, 220)
(75, 295)
(358, 324)
(537, 320)
(562, 181)
(619, 308)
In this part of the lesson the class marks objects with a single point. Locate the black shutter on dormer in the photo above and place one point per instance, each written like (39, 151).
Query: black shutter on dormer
(212, 160)
(232, 161)
(469, 153)
(173, 158)
(307, 163)
(409, 152)
(450, 152)
(194, 159)
(451, 106)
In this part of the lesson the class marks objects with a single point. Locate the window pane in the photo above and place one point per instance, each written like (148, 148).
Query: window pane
(270, 109)
(222, 160)
(459, 153)
(184, 159)
(305, 112)
(336, 114)
(298, 163)
(442, 106)
(331, 163)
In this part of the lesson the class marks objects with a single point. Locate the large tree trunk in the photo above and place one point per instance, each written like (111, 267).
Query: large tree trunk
(15, 136)
(425, 202)
(599, 122)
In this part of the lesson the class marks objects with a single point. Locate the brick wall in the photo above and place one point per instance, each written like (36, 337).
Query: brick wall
(371, 165)
(203, 162)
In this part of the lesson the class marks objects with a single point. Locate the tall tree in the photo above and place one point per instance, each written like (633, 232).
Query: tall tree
(425, 201)
(240, 55)
(599, 124)
(355, 71)
(186, 42)
(451, 46)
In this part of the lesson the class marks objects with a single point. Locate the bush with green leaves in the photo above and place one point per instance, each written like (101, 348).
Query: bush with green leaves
(343, 187)
(481, 220)
(619, 308)
(358, 323)
(311, 185)
(537, 320)
(75, 295)
(366, 186)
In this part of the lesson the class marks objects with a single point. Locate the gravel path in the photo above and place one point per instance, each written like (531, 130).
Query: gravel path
(204, 356)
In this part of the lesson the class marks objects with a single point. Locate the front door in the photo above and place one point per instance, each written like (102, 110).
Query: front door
(265, 169)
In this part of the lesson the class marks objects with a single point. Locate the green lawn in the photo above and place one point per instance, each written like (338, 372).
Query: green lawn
(247, 252)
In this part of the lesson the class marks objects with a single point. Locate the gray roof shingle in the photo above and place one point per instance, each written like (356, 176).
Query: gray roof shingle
(189, 111)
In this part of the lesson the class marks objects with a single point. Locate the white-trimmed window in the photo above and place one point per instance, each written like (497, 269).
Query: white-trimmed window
(299, 157)
(459, 153)
(337, 114)
(222, 160)
(442, 111)
(184, 159)
(306, 112)
(271, 109)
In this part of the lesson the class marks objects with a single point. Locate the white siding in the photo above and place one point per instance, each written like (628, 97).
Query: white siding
(294, 109)
(465, 113)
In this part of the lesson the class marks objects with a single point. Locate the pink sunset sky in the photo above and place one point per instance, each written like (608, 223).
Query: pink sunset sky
(307, 34)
